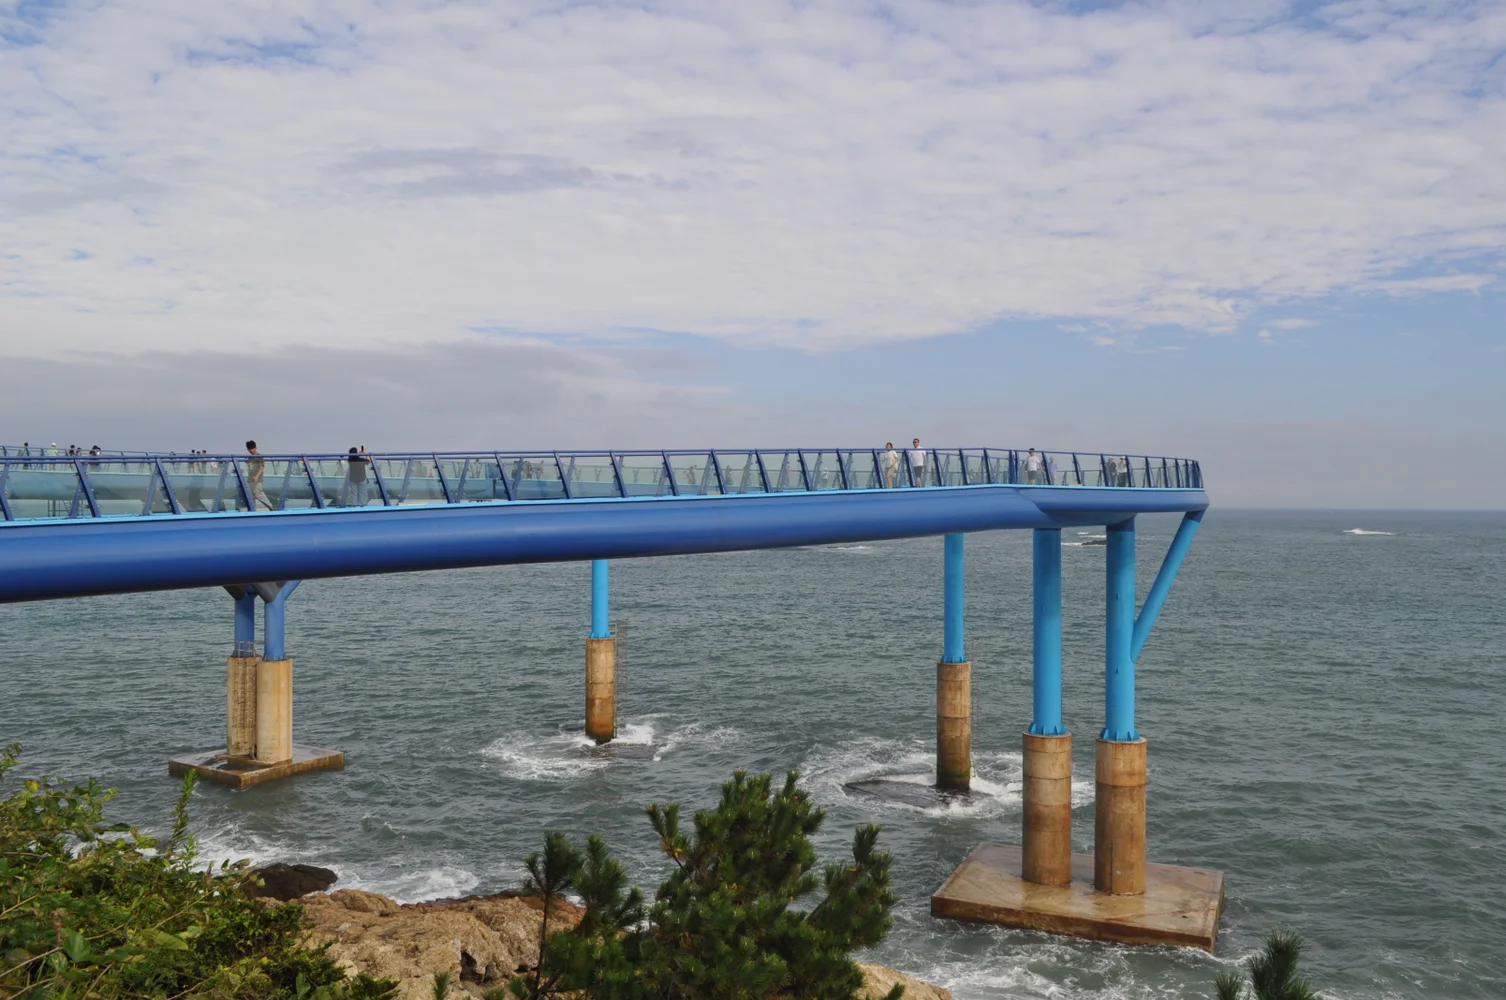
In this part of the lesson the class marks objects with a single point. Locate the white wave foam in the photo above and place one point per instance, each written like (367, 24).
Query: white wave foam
(852, 548)
(997, 780)
(568, 755)
(1090, 534)
(416, 886)
(1362, 531)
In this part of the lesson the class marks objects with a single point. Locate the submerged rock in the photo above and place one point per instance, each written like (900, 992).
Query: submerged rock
(285, 882)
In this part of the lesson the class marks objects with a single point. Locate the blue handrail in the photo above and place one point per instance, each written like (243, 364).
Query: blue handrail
(34, 487)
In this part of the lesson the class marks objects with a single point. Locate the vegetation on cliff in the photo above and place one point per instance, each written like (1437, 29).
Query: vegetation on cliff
(93, 909)
(725, 925)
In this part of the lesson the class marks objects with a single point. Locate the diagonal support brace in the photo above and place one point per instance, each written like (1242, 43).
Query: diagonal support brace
(1164, 579)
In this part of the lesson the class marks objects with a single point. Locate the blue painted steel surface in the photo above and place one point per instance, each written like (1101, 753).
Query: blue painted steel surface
(229, 548)
(601, 625)
(1164, 579)
(954, 600)
(49, 559)
(274, 624)
(1046, 678)
(245, 624)
(1119, 627)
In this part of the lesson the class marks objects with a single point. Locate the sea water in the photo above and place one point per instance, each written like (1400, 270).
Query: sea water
(1324, 699)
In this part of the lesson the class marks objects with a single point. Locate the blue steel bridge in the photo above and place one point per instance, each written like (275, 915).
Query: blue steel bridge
(76, 526)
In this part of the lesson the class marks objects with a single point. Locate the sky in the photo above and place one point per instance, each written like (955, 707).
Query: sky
(1269, 236)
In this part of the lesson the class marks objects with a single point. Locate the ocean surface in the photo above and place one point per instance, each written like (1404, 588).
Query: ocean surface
(1324, 697)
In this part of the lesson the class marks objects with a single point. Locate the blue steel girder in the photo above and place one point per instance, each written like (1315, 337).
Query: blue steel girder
(51, 558)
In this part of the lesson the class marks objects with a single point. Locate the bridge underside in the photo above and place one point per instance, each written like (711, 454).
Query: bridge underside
(41, 560)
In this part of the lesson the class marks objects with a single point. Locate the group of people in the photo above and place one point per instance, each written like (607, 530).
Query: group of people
(73, 450)
(357, 492)
(1033, 466)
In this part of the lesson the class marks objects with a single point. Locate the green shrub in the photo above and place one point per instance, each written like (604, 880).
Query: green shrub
(94, 909)
(723, 926)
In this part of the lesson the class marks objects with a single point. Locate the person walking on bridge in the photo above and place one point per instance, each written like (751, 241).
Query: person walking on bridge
(1033, 468)
(917, 456)
(890, 464)
(256, 469)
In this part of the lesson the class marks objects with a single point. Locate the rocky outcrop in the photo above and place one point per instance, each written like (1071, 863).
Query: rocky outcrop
(480, 941)
(878, 980)
(285, 882)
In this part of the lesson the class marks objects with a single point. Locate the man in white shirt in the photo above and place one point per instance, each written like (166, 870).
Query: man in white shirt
(1033, 467)
(917, 456)
(890, 463)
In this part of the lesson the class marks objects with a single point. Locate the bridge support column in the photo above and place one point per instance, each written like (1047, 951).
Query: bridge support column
(1119, 813)
(1046, 847)
(954, 679)
(240, 682)
(601, 661)
(259, 743)
(1112, 894)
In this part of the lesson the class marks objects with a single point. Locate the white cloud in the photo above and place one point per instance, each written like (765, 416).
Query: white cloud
(1440, 283)
(822, 174)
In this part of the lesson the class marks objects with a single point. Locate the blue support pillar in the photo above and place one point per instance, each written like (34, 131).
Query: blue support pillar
(1047, 678)
(954, 644)
(245, 624)
(274, 627)
(601, 624)
(1119, 628)
(1158, 590)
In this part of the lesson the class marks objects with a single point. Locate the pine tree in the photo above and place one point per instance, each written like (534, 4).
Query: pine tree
(1273, 973)
(726, 924)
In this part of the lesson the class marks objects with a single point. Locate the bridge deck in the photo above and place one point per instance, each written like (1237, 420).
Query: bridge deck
(79, 526)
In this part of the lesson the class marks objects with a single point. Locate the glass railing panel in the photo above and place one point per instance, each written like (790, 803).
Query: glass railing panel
(471, 478)
(644, 475)
(824, 470)
(120, 487)
(534, 477)
(1002, 467)
(739, 472)
(412, 481)
(590, 475)
(693, 473)
(864, 470)
(783, 469)
(192, 485)
(975, 467)
(948, 468)
(35, 489)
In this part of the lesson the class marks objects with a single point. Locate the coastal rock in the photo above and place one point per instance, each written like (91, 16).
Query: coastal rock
(285, 882)
(878, 980)
(480, 940)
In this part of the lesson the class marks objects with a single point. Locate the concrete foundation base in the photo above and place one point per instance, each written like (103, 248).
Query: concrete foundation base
(1180, 906)
(216, 766)
(601, 689)
(954, 726)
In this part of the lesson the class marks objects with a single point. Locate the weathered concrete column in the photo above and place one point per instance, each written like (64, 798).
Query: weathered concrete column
(240, 706)
(240, 679)
(1119, 818)
(274, 680)
(274, 711)
(954, 725)
(601, 689)
(601, 660)
(954, 677)
(1047, 847)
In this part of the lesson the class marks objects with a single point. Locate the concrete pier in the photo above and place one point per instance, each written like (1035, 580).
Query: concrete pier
(1119, 818)
(240, 706)
(954, 725)
(274, 711)
(259, 743)
(601, 689)
(1047, 823)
